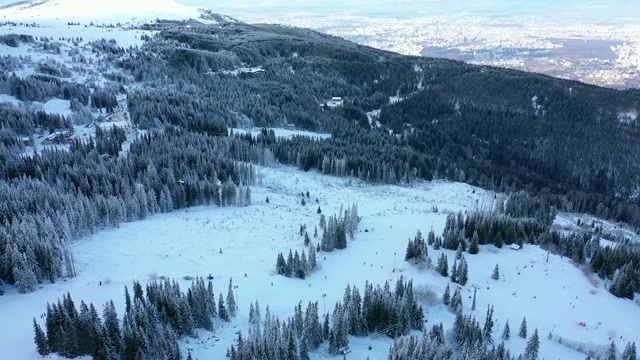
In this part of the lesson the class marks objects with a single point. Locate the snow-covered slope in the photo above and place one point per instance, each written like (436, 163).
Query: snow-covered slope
(554, 296)
(113, 11)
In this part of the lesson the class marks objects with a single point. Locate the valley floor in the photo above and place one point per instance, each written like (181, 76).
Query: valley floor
(242, 244)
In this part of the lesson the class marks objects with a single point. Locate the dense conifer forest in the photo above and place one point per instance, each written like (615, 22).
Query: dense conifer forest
(554, 145)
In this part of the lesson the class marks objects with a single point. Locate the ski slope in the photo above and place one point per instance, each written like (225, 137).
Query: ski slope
(554, 296)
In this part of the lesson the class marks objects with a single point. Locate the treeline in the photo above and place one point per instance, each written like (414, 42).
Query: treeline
(152, 324)
(481, 228)
(523, 219)
(50, 198)
(371, 156)
(514, 130)
(338, 227)
(380, 310)
(16, 123)
(297, 265)
(43, 87)
(618, 262)
(14, 40)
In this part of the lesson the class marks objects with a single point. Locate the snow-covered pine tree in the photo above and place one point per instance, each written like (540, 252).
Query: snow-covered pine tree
(496, 273)
(40, 339)
(523, 328)
(281, 264)
(446, 297)
(488, 325)
(463, 271)
(325, 327)
(506, 332)
(611, 353)
(474, 248)
(629, 352)
(112, 327)
(312, 327)
(459, 250)
(222, 309)
(304, 348)
(232, 306)
(23, 275)
(292, 347)
(442, 265)
(431, 237)
(289, 269)
(456, 301)
(497, 241)
(312, 258)
(454, 271)
(533, 346)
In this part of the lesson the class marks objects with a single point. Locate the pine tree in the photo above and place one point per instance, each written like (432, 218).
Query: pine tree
(629, 352)
(222, 310)
(232, 307)
(498, 240)
(533, 346)
(304, 348)
(325, 327)
(506, 332)
(281, 264)
(496, 273)
(610, 354)
(454, 271)
(127, 300)
(112, 327)
(459, 251)
(488, 325)
(523, 328)
(446, 297)
(312, 258)
(443, 265)
(41, 340)
(473, 248)
(463, 271)
(501, 353)
(456, 301)
(23, 274)
(289, 269)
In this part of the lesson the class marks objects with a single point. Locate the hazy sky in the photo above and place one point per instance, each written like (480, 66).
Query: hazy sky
(587, 10)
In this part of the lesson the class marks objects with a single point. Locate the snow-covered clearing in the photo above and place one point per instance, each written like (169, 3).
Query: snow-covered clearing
(554, 295)
(575, 222)
(282, 133)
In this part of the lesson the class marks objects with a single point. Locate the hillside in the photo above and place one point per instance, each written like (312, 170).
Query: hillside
(110, 124)
(553, 295)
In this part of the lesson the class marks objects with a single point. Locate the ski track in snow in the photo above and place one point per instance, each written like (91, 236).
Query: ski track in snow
(552, 296)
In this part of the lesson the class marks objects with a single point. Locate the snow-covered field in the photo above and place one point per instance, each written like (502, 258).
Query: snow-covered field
(554, 296)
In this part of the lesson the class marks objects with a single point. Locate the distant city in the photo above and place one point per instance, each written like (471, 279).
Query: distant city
(594, 41)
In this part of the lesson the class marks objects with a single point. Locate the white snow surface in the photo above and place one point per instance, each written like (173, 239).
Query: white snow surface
(112, 10)
(554, 295)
